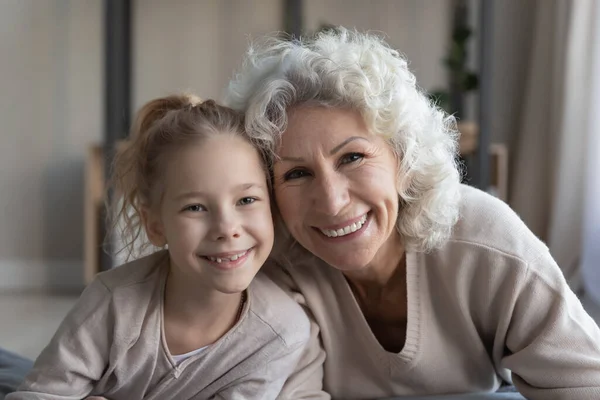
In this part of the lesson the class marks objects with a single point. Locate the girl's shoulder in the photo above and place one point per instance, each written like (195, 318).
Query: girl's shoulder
(136, 272)
(134, 291)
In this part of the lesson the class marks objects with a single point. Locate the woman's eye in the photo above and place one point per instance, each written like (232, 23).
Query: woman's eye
(351, 157)
(295, 174)
(194, 208)
(246, 200)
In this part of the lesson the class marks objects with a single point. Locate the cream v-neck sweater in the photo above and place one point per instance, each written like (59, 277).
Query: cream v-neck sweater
(112, 344)
(490, 300)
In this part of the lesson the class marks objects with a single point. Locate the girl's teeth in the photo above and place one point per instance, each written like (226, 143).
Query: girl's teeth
(223, 259)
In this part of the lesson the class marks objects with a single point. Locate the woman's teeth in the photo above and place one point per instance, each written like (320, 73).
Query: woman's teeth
(345, 230)
(226, 259)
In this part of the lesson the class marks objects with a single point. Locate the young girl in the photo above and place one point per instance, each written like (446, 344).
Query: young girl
(194, 321)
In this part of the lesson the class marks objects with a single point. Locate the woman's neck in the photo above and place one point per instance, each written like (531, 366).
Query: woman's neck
(196, 315)
(381, 293)
(387, 263)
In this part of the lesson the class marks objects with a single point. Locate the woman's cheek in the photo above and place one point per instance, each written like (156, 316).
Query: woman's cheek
(288, 201)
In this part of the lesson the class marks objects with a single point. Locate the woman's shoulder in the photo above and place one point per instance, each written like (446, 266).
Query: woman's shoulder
(490, 245)
(276, 309)
(489, 224)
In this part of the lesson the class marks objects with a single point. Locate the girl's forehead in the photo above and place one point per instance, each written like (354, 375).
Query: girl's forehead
(217, 164)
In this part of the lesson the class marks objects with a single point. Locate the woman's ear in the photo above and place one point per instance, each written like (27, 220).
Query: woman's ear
(154, 227)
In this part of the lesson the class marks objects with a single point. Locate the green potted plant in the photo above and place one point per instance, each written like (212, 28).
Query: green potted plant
(461, 80)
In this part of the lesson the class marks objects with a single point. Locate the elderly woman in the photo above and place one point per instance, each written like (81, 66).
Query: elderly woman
(416, 284)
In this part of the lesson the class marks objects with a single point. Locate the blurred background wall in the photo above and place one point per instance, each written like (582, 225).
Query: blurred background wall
(52, 87)
(50, 111)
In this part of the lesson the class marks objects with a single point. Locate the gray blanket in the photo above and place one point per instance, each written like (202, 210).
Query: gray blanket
(12, 370)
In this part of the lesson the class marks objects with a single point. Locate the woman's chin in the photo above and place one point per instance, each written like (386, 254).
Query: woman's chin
(347, 262)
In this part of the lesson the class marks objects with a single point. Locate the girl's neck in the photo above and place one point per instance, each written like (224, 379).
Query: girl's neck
(196, 315)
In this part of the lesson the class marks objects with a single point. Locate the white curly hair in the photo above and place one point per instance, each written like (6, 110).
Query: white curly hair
(343, 68)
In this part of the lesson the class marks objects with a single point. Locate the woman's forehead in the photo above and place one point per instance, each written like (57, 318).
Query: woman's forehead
(323, 123)
(326, 129)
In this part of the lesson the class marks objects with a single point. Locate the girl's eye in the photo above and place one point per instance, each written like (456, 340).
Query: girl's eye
(295, 174)
(195, 208)
(351, 157)
(246, 200)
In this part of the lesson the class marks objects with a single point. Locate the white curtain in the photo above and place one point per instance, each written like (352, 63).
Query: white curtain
(548, 169)
(591, 228)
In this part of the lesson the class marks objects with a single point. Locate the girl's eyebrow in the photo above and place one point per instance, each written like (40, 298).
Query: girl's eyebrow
(240, 187)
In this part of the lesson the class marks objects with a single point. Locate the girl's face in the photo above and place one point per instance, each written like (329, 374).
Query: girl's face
(215, 213)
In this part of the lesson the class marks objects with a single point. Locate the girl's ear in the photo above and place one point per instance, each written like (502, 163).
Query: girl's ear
(154, 227)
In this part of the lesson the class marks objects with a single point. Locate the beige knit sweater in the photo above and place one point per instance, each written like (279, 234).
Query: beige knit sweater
(112, 344)
(490, 300)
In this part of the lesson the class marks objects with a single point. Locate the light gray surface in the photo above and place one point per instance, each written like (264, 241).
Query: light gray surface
(29, 320)
(483, 396)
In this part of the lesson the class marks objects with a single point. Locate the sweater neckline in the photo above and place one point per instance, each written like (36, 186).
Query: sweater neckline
(177, 368)
(408, 355)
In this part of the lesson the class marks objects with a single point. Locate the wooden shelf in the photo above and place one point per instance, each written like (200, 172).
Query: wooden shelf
(93, 212)
(468, 145)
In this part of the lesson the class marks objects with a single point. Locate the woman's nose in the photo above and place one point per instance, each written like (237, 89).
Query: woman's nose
(330, 194)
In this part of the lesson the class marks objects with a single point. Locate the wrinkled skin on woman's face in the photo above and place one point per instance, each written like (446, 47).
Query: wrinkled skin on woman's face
(336, 188)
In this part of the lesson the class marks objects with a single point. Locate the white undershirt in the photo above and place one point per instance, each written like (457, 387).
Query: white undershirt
(182, 357)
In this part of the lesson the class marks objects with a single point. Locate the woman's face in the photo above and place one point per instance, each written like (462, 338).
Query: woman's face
(335, 186)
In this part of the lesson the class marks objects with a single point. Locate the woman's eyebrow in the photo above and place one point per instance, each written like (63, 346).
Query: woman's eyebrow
(345, 142)
(331, 152)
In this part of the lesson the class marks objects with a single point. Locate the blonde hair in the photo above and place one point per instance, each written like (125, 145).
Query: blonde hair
(160, 126)
(347, 69)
